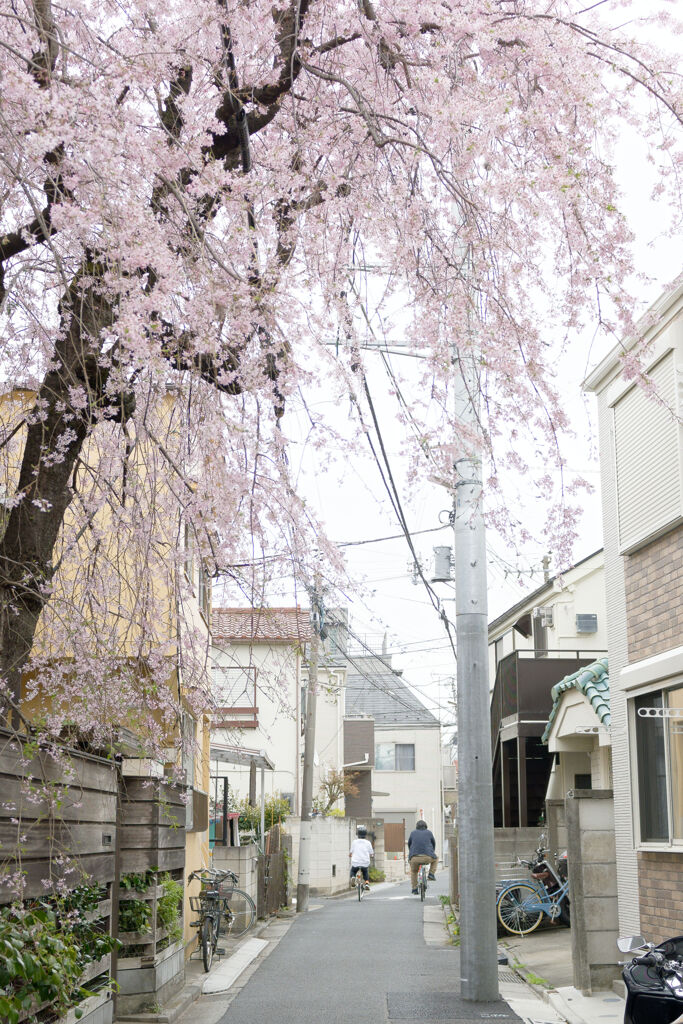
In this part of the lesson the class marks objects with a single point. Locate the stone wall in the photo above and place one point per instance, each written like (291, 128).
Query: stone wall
(592, 888)
(654, 596)
(661, 895)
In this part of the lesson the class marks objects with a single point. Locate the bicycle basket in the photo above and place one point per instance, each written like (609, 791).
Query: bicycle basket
(226, 889)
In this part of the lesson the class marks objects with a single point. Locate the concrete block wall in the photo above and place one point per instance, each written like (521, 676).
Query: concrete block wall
(661, 895)
(243, 860)
(556, 830)
(593, 888)
(330, 844)
(508, 844)
(330, 854)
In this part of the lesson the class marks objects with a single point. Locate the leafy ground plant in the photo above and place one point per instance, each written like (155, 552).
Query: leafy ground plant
(40, 963)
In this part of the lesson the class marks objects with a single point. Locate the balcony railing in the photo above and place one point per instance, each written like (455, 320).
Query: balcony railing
(524, 680)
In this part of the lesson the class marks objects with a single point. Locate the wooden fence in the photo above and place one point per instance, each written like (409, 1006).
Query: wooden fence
(272, 876)
(152, 826)
(57, 818)
(70, 818)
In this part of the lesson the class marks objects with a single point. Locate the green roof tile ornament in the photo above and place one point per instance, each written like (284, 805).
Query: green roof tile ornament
(593, 682)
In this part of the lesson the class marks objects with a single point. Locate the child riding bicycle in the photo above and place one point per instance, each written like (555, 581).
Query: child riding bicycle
(361, 854)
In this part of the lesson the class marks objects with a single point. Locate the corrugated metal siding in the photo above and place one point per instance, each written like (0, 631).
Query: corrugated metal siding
(627, 865)
(647, 441)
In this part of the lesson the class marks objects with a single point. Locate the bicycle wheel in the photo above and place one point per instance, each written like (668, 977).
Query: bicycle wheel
(423, 890)
(240, 912)
(519, 908)
(208, 943)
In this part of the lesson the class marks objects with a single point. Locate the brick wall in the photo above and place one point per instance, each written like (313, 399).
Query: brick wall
(654, 596)
(660, 878)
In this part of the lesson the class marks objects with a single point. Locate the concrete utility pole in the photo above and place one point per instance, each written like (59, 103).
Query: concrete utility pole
(478, 945)
(303, 881)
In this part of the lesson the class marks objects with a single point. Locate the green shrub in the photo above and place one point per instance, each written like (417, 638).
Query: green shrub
(276, 810)
(169, 907)
(376, 875)
(134, 916)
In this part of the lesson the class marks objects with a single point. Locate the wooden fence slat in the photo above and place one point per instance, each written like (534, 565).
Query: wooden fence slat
(155, 791)
(143, 860)
(84, 772)
(43, 837)
(142, 837)
(76, 805)
(91, 868)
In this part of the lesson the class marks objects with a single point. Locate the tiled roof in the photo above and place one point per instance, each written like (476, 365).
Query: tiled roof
(374, 688)
(593, 682)
(261, 625)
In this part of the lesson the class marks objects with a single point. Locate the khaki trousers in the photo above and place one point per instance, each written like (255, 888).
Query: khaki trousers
(416, 863)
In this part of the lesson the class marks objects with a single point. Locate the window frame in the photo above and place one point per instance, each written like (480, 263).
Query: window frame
(395, 744)
(653, 692)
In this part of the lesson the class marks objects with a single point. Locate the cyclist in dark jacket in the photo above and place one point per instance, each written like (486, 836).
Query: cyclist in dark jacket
(421, 850)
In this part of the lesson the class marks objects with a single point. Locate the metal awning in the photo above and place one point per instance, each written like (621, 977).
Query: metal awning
(241, 755)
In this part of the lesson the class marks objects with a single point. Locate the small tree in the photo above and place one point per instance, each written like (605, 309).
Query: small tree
(276, 811)
(333, 787)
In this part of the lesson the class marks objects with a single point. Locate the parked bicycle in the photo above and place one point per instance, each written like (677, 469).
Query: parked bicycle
(422, 881)
(521, 905)
(219, 903)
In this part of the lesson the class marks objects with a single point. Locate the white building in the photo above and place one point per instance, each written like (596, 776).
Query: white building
(407, 772)
(259, 678)
(551, 633)
(641, 459)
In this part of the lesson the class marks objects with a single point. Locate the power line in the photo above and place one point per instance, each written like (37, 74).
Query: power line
(396, 504)
(395, 536)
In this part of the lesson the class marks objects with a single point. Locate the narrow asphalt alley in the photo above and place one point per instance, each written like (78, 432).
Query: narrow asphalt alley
(345, 962)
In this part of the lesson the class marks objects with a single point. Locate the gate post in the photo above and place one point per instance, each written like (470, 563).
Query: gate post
(591, 860)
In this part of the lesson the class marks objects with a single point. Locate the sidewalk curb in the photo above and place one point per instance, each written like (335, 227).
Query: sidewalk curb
(560, 1004)
(540, 990)
(191, 991)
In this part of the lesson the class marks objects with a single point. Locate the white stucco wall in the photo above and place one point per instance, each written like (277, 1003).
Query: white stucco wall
(278, 733)
(581, 590)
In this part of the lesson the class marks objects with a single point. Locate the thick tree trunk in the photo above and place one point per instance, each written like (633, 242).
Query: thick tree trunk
(44, 488)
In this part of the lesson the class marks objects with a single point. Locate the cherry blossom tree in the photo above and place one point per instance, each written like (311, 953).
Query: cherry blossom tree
(195, 195)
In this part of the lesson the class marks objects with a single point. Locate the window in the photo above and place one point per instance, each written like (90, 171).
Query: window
(395, 757)
(204, 595)
(188, 548)
(234, 692)
(659, 755)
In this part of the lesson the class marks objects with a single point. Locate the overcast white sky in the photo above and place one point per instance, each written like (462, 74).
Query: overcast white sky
(351, 500)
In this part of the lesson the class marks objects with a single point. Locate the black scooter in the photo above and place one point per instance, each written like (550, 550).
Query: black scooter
(654, 981)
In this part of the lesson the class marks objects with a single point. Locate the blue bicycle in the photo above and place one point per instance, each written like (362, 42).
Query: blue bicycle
(521, 905)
